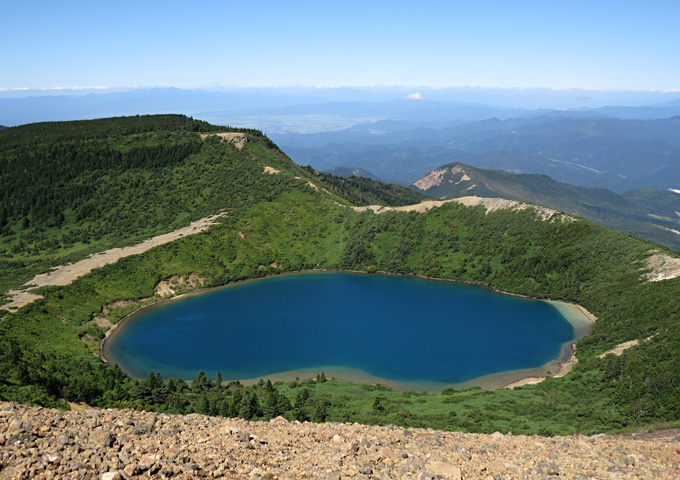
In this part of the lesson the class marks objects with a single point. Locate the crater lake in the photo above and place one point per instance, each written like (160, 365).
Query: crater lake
(404, 331)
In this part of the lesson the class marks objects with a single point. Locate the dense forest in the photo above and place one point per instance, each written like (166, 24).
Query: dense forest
(294, 220)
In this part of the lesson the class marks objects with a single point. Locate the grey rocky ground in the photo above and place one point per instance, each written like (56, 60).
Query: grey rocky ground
(124, 444)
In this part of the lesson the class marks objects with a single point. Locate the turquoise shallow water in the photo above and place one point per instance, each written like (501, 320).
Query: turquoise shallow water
(404, 329)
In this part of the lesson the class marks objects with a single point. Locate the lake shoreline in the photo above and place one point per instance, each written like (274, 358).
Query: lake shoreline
(580, 319)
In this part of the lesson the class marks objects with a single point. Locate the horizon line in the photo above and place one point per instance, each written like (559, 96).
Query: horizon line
(107, 88)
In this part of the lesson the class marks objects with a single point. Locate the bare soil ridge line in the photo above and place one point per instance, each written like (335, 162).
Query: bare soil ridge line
(490, 204)
(65, 275)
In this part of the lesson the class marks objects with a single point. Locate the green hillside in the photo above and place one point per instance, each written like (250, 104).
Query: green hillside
(650, 214)
(73, 188)
(286, 218)
(361, 190)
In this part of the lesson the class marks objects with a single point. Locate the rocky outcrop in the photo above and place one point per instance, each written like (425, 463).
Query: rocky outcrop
(123, 444)
(437, 177)
(237, 138)
(661, 266)
(432, 179)
(176, 285)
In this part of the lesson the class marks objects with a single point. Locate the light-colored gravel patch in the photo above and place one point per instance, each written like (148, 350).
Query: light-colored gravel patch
(65, 275)
(661, 266)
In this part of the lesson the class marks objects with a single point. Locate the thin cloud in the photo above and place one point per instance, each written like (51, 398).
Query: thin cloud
(56, 89)
(414, 97)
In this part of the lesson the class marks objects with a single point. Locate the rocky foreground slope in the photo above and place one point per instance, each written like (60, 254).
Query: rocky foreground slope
(123, 444)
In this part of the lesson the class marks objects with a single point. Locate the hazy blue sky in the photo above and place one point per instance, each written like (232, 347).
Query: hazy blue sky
(627, 45)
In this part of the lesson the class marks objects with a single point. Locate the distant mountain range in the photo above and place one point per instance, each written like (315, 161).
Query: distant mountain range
(651, 214)
(617, 154)
(303, 109)
(352, 172)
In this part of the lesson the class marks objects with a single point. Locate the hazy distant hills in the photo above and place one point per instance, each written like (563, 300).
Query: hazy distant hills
(619, 154)
(400, 134)
(651, 214)
(352, 172)
(398, 164)
(279, 110)
(276, 111)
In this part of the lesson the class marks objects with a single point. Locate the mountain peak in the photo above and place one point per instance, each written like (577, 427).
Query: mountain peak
(450, 174)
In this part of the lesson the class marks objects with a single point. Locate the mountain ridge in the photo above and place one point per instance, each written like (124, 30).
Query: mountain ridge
(650, 214)
(617, 154)
(352, 172)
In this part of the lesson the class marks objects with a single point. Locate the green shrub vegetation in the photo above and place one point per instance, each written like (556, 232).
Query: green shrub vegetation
(156, 174)
(364, 191)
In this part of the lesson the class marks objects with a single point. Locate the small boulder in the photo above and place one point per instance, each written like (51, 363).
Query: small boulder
(142, 429)
(111, 476)
(446, 470)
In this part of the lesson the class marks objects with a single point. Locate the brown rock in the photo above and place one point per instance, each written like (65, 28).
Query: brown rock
(169, 446)
(446, 470)
(111, 476)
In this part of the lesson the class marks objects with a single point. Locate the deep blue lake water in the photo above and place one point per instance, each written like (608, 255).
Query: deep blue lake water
(403, 329)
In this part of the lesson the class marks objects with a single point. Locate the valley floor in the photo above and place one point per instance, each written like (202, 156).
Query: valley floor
(123, 444)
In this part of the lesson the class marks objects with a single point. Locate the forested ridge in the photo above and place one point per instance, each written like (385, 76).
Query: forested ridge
(365, 191)
(279, 222)
(56, 170)
(73, 188)
(649, 214)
